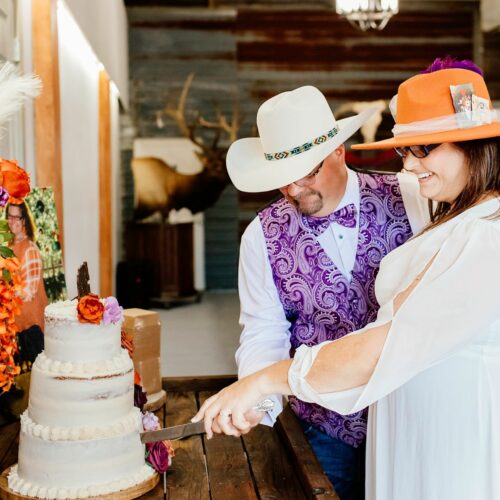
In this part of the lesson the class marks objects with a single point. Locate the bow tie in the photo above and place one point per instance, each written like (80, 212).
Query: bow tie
(345, 216)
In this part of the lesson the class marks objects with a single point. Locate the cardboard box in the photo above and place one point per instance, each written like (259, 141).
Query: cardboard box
(150, 372)
(142, 328)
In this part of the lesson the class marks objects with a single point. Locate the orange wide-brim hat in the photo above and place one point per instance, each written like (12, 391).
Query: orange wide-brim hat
(425, 111)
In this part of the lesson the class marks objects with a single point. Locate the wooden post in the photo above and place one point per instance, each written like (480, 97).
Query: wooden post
(105, 194)
(47, 105)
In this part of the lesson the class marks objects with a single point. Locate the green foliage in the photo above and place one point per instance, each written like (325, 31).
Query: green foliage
(6, 275)
(6, 252)
(5, 237)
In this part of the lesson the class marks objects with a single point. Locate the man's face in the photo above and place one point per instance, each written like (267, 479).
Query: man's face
(304, 193)
(307, 200)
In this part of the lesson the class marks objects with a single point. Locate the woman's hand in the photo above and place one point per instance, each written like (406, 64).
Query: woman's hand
(230, 410)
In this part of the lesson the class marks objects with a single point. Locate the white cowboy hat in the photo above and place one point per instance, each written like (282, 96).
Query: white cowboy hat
(297, 131)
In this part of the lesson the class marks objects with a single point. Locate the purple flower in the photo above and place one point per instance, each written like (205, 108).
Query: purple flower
(150, 421)
(113, 312)
(4, 197)
(158, 456)
(140, 398)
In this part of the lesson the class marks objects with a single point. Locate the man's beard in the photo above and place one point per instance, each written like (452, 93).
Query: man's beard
(308, 202)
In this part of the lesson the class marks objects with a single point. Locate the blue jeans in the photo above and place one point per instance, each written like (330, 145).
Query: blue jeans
(343, 464)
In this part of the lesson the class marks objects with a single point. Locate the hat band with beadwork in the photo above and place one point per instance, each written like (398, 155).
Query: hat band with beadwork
(305, 147)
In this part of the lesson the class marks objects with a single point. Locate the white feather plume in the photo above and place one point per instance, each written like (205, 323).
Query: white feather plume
(15, 89)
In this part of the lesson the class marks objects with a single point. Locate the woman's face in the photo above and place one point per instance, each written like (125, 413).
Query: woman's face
(442, 175)
(15, 220)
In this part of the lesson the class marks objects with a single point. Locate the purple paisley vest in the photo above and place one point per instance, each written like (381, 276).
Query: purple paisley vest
(320, 303)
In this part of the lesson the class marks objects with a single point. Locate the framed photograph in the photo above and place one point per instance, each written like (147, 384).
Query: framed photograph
(43, 209)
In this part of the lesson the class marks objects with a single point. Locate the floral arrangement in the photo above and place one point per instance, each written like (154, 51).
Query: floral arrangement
(91, 309)
(158, 454)
(14, 186)
(15, 89)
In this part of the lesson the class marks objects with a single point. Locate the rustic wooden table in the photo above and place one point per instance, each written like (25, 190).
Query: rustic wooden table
(267, 463)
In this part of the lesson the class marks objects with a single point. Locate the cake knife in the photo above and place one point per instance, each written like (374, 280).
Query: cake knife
(190, 429)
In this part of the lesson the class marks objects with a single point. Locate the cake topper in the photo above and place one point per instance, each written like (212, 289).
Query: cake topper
(83, 280)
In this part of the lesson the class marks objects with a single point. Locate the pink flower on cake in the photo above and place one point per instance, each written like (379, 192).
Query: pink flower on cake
(158, 456)
(150, 421)
(90, 309)
(113, 312)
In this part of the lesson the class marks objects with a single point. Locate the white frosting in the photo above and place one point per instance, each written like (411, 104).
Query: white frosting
(66, 339)
(29, 489)
(85, 369)
(62, 399)
(131, 422)
(80, 435)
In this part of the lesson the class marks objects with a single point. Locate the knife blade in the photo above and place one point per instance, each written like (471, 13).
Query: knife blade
(172, 433)
(191, 428)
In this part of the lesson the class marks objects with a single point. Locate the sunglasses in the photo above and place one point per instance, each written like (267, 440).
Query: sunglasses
(416, 151)
(309, 179)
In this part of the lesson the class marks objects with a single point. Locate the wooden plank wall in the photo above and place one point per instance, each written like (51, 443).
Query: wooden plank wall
(261, 49)
(491, 63)
(165, 46)
(278, 51)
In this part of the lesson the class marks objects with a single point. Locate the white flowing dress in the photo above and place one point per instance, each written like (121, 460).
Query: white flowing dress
(434, 396)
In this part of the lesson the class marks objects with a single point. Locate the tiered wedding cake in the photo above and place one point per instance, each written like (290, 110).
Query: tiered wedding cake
(80, 434)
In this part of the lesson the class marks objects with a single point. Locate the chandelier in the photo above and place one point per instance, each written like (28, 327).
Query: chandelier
(367, 14)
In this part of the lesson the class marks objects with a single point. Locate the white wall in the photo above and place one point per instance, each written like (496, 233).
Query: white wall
(105, 25)
(26, 40)
(79, 91)
(11, 131)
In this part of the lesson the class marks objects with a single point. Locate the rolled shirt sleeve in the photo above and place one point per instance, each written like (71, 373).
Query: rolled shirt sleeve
(265, 338)
(455, 304)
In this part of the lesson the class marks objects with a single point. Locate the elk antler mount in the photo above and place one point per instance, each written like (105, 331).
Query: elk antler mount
(159, 187)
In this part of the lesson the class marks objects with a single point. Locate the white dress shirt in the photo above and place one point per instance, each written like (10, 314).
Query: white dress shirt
(265, 338)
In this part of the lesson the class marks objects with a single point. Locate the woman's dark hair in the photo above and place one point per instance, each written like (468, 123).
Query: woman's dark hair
(28, 225)
(482, 158)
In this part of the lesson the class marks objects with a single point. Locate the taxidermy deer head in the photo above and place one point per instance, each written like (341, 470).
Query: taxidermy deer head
(370, 127)
(158, 187)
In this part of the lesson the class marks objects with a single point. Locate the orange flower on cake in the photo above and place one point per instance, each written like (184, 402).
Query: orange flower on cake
(14, 180)
(90, 309)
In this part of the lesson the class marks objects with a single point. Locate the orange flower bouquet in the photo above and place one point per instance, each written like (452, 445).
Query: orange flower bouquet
(14, 185)
(15, 89)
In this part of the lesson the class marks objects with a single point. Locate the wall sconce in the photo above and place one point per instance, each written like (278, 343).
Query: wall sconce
(367, 14)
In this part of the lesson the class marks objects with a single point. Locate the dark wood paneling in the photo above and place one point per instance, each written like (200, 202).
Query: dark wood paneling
(206, 383)
(256, 49)
(168, 249)
(491, 63)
